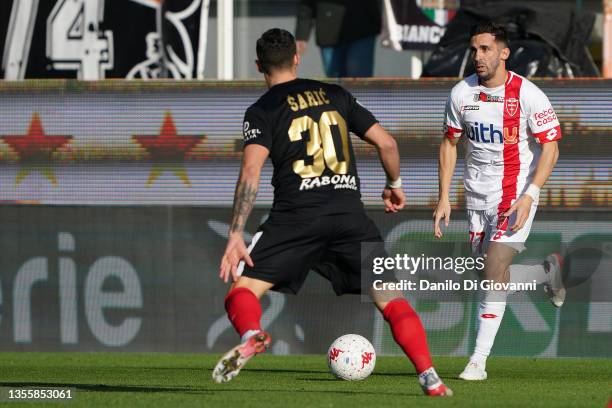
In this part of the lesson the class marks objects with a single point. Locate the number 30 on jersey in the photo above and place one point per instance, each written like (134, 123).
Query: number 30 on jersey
(322, 144)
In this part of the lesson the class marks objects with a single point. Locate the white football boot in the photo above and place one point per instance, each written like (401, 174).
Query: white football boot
(555, 287)
(473, 372)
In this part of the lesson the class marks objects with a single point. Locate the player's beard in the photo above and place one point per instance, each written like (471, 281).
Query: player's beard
(490, 71)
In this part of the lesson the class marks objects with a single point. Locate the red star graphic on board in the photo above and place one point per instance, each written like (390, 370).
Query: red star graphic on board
(35, 150)
(168, 150)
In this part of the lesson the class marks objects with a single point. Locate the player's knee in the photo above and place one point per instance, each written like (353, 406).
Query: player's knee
(382, 298)
(258, 287)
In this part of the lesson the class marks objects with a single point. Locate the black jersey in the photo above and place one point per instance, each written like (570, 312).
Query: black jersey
(305, 125)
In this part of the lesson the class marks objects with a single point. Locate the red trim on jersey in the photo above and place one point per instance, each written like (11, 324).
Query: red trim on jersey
(549, 135)
(512, 121)
(451, 132)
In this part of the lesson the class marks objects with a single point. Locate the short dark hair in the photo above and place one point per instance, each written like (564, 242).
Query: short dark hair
(495, 29)
(275, 50)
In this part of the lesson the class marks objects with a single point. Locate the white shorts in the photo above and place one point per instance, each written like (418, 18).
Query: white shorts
(485, 226)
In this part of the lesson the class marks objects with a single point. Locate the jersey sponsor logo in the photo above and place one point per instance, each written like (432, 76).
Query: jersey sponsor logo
(339, 182)
(552, 133)
(485, 133)
(250, 133)
(484, 97)
(511, 138)
(366, 358)
(544, 117)
(511, 106)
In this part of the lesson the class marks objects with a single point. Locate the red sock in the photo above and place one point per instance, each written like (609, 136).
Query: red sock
(408, 332)
(243, 310)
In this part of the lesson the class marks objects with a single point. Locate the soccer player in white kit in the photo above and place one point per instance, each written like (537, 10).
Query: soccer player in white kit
(511, 133)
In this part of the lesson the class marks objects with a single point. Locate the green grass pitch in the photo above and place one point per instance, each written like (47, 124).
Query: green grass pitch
(181, 380)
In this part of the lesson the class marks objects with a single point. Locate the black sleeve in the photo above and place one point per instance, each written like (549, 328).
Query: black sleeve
(360, 119)
(255, 128)
(305, 20)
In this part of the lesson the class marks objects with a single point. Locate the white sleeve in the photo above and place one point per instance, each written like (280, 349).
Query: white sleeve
(452, 120)
(542, 121)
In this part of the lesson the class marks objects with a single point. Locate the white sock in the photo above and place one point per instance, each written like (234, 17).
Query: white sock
(528, 273)
(490, 315)
(248, 334)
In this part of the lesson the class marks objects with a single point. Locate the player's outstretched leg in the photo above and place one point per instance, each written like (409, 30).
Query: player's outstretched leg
(550, 273)
(555, 287)
(409, 334)
(244, 312)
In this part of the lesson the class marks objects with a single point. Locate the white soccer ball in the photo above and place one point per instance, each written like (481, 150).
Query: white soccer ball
(351, 357)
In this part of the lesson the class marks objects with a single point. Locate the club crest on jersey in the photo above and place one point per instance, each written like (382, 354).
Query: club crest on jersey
(511, 106)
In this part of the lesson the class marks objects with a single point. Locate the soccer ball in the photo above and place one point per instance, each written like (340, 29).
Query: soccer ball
(351, 357)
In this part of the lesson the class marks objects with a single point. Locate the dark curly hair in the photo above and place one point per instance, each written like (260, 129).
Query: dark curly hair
(275, 50)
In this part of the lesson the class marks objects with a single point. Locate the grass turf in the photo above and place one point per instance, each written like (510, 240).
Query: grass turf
(179, 380)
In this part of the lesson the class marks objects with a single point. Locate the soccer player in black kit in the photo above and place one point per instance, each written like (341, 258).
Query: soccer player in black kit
(317, 219)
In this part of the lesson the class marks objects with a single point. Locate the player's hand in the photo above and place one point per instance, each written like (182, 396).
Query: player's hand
(301, 46)
(522, 207)
(443, 210)
(394, 199)
(235, 251)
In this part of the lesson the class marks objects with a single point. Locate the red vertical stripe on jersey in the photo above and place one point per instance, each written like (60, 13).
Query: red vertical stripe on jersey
(512, 121)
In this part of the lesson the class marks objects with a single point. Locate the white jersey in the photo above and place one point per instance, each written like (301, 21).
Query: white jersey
(504, 127)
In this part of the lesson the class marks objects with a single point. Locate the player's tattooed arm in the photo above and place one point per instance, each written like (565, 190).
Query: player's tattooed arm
(247, 185)
(244, 199)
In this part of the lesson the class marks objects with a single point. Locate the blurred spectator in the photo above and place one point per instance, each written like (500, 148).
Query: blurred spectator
(346, 32)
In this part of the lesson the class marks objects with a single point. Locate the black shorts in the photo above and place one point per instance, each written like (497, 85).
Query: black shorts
(284, 251)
